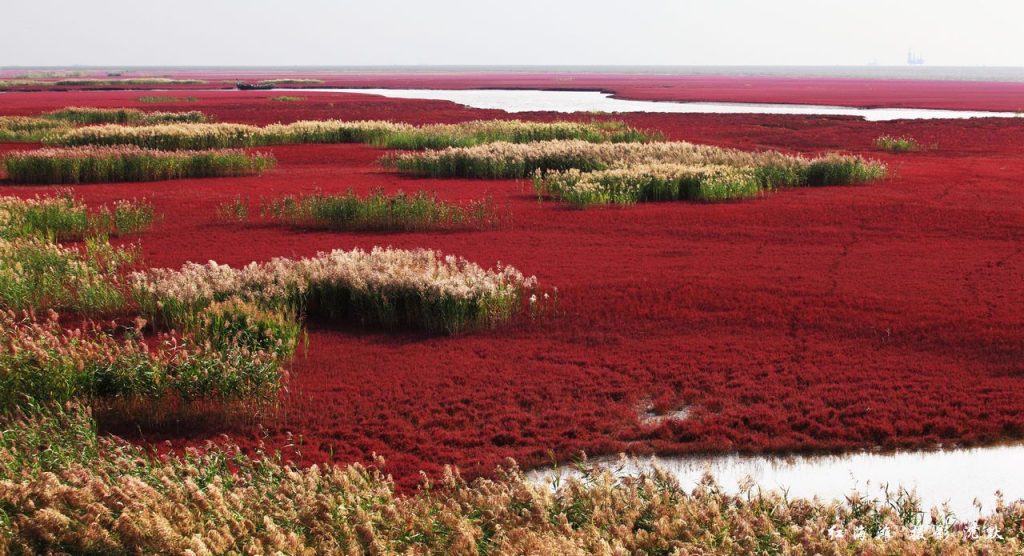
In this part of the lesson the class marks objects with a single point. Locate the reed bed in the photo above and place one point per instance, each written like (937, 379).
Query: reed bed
(78, 115)
(128, 163)
(16, 83)
(624, 171)
(61, 217)
(651, 182)
(501, 160)
(42, 362)
(897, 144)
(377, 211)
(28, 129)
(164, 137)
(290, 81)
(383, 287)
(95, 82)
(36, 274)
(166, 100)
(90, 494)
(379, 133)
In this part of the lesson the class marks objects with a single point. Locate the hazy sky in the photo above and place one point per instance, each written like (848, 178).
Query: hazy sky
(547, 32)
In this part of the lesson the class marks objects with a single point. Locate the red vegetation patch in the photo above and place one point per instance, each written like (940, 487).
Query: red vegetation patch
(812, 319)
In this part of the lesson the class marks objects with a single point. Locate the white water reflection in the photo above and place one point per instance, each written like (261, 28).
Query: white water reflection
(956, 477)
(525, 100)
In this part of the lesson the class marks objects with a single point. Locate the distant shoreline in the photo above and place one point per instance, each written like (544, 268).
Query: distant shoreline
(924, 72)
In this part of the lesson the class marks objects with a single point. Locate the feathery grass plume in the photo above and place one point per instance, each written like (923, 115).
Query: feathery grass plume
(382, 287)
(166, 100)
(379, 211)
(86, 493)
(28, 129)
(379, 133)
(41, 361)
(901, 144)
(650, 182)
(61, 217)
(78, 115)
(129, 163)
(36, 274)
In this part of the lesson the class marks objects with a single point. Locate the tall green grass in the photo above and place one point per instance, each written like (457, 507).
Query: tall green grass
(29, 129)
(166, 99)
(379, 133)
(36, 274)
(61, 217)
(44, 363)
(129, 163)
(842, 170)
(901, 144)
(90, 116)
(127, 81)
(638, 184)
(377, 211)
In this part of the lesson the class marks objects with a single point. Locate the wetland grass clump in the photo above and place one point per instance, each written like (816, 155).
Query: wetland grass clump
(43, 362)
(36, 274)
(503, 160)
(286, 98)
(897, 144)
(652, 182)
(585, 173)
(391, 288)
(290, 81)
(77, 115)
(91, 494)
(95, 82)
(128, 164)
(377, 211)
(61, 217)
(19, 129)
(379, 133)
(166, 100)
(835, 169)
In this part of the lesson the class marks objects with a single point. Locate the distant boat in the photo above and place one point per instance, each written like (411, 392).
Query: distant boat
(241, 86)
(914, 59)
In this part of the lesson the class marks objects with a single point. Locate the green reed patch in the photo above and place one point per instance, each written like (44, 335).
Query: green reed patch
(166, 100)
(128, 164)
(376, 211)
(29, 129)
(77, 115)
(36, 274)
(285, 98)
(646, 183)
(62, 217)
(900, 144)
(290, 81)
(42, 362)
(379, 133)
(390, 288)
(842, 170)
(128, 81)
